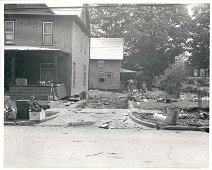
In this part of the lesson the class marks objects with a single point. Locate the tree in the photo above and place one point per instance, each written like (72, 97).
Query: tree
(174, 76)
(153, 35)
(200, 36)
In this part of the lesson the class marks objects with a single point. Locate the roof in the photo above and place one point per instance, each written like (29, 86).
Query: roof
(106, 48)
(127, 71)
(62, 8)
(27, 9)
(25, 48)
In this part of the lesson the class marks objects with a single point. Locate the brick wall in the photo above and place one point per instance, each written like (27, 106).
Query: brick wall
(28, 30)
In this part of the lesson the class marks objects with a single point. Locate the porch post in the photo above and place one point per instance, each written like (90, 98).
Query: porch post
(56, 70)
(13, 71)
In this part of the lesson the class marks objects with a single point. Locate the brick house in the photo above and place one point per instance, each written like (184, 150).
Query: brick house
(41, 46)
(105, 63)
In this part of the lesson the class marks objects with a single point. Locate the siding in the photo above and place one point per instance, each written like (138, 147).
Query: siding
(80, 58)
(113, 66)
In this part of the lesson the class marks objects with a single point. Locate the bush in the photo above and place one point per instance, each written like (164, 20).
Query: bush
(190, 81)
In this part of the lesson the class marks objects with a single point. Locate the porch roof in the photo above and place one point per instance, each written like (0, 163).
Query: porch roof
(29, 48)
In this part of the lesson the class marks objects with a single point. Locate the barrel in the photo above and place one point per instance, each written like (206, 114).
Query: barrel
(21, 81)
(22, 109)
(172, 115)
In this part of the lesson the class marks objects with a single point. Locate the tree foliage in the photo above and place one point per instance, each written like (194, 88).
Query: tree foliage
(174, 76)
(200, 36)
(153, 35)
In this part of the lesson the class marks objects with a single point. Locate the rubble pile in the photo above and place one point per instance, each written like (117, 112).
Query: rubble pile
(191, 117)
(105, 100)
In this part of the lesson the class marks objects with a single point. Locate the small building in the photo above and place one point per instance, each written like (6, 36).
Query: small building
(42, 47)
(105, 63)
(200, 75)
(127, 75)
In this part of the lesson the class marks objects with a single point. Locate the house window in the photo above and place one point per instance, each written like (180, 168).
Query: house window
(105, 77)
(47, 33)
(47, 72)
(9, 32)
(195, 72)
(74, 75)
(100, 63)
(84, 75)
(85, 45)
(202, 72)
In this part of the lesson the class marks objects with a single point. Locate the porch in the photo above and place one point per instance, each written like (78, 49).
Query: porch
(41, 92)
(39, 68)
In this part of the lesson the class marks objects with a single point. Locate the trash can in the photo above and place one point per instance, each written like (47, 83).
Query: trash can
(172, 115)
(22, 109)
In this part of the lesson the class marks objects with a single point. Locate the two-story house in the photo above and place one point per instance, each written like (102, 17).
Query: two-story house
(43, 47)
(105, 63)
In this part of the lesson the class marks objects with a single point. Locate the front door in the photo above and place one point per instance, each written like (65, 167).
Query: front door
(47, 72)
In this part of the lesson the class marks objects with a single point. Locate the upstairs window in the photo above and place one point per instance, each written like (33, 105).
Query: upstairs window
(100, 63)
(9, 32)
(47, 33)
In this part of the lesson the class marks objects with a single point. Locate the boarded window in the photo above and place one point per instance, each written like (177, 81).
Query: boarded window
(47, 72)
(47, 33)
(105, 77)
(9, 32)
(100, 63)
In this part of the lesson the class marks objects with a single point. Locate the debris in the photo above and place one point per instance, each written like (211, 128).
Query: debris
(125, 120)
(67, 103)
(145, 100)
(138, 103)
(159, 118)
(104, 126)
(74, 99)
(113, 153)
(183, 116)
(79, 124)
(160, 100)
(95, 154)
(175, 132)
